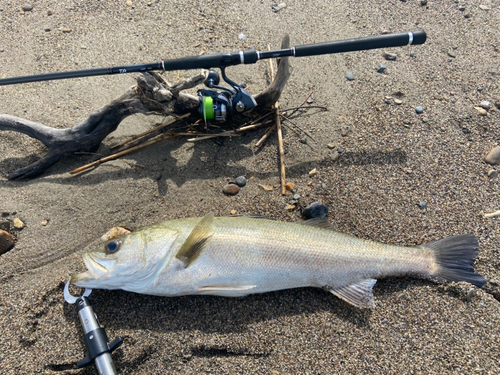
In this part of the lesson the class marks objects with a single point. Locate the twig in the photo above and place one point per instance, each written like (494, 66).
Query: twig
(493, 214)
(265, 136)
(298, 127)
(173, 121)
(228, 133)
(118, 154)
(280, 134)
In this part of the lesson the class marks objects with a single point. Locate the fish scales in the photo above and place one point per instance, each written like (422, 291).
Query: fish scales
(236, 256)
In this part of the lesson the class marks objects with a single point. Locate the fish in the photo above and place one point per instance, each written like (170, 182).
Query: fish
(235, 256)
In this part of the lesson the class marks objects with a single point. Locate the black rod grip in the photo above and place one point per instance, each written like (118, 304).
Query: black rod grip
(361, 44)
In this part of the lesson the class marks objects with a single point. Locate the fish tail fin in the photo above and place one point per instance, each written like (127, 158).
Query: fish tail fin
(454, 258)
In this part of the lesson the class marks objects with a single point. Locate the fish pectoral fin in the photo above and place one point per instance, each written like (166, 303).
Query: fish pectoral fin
(318, 222)
(196, 241)
(359, 294)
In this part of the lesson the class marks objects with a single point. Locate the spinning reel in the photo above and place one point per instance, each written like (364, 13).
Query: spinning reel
(217, 105)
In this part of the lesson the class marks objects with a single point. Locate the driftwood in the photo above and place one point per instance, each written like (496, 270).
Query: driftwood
(151, 95)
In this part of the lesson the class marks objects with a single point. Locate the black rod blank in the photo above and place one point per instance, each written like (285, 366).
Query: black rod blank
(220, 60)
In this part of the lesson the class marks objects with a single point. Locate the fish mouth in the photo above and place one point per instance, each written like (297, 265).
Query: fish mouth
(95, 270)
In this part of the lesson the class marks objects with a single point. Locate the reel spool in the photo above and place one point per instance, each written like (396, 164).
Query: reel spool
(219, 105)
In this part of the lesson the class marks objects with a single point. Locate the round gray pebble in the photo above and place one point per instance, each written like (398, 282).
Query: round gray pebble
(419, 109)
(296, 197)
(314, 210)
(350, 77)
(241, 181)
(422, 205)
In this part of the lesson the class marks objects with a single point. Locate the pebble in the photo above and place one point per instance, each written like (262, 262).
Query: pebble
(335, 156)
(492, 173)
(233, 212)
(18, 223)
(493, 156)
(497, 104)
(315, 209)
(6, 241)
(44, 223)
(484, 7)
(423, 2)
(422, 205)
(313, 172)
(231, 189)
(290, 207)
(451, 53)
(481, 111)
(390, 56)
(129, 3)
(303, 140)
(115, 232)
(331, 145)
(485, 104)
(382, 68)
(242, 37)
(419, 109)
(350, 77)
(296, 197)
(241, 181)
(398, 101)
(278, 7)
(27, 7)
(289, 186)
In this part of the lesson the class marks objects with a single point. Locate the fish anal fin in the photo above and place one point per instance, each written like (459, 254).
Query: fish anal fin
(196, 241)
(359, 294)
(318, 222)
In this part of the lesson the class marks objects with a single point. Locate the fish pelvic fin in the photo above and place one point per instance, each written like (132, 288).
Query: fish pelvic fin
(454, 258)
(194, 244)
(359, 294)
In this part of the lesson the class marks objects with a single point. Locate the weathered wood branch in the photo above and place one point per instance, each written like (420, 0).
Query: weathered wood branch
(151, 95)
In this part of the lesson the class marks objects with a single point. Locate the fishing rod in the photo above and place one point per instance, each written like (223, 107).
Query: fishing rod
(216, 104)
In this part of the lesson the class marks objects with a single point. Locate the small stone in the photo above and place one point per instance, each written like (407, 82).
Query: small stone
(115, 232)
(468, 15)
(66, 31)
(485, 104)
(479, 89)
(18, 223)
(289, 186)
(296, 197)
(6, 241)
(265, 187)
(350, 77)
(381, 68)
(231, 189)
(492, 173)
(290, 207)
(241, 181)
(497, 104)
(495, 282)
(451, 53)
(277, 7)
(461, 8)
(493, 156)
(484, 7)
(422, 205)
(481, 111)
(242, 37)
(331, 145)
(390, 56)
(44, 223)
(27, 7)
(423, 2)
(335, 156)
(419, 109)
(47, 29)
(398, 101)
(313, 172)
(303, 140)
(50, 12)
(129, 3)
(233, 212)
(315, 209)
(470, 295)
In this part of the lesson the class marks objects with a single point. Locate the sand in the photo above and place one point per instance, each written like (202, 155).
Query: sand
(401, 178)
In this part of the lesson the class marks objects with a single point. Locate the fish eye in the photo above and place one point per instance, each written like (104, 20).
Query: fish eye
(113, 246)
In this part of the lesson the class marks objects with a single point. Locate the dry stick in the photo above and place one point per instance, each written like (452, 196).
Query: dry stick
(152, 130)
(228, 133)
(280, 134)
(265, 136)
(118, 154)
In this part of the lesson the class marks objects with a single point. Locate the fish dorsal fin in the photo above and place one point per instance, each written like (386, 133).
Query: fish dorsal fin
(193, 246)
(359, 294)
(318, 222)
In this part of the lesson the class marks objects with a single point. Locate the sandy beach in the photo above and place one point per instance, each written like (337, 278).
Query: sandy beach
(386, 173)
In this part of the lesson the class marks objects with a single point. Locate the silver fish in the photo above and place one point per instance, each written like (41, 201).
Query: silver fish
(237, 256)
